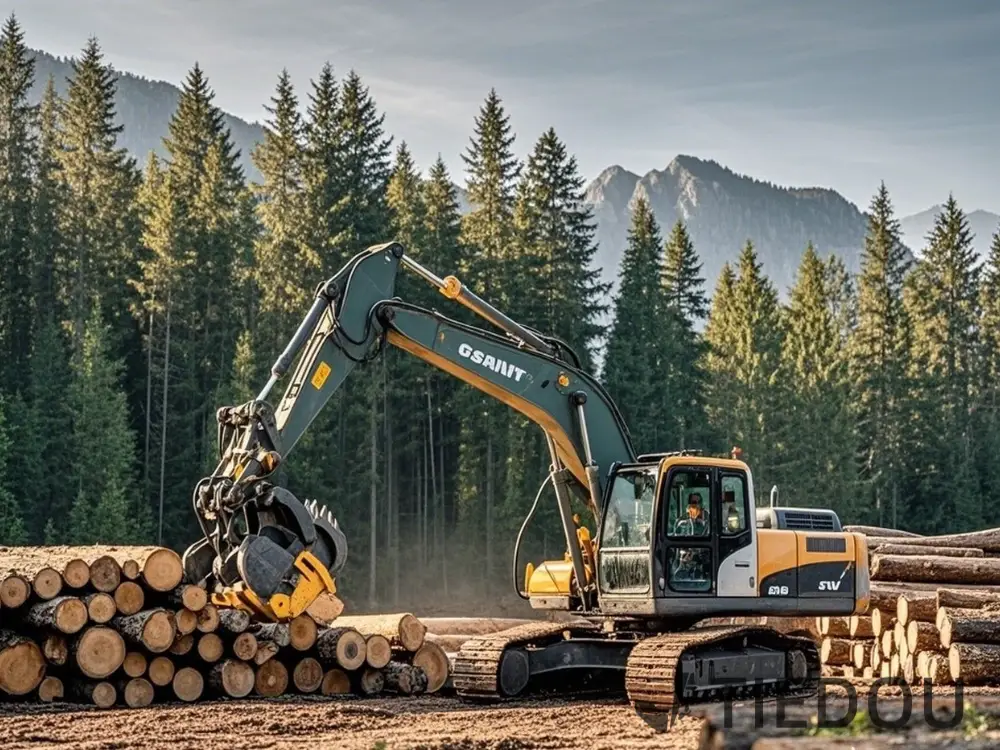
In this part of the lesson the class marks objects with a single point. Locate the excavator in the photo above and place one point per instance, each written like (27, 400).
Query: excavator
(678, 537)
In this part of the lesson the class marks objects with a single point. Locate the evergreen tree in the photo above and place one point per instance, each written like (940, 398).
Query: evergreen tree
(633, 352)
(12, 530)
(321, 172)
(988, 407)
(685, 307)
(103, 450)
(819, 463)
(488, 230)
(879, 353)
(99, 221)
(49, 196)
(17, 156)
(287, 268)
(942, 300)
(745, 360)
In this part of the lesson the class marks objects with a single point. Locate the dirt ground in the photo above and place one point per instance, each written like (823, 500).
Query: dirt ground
(437, 723)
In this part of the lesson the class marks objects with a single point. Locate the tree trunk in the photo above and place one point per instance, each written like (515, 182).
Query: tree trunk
(922, 549)
(836, 651)
(970, 598)
(880, 531)
(234, 621)
(307, 675)
(101, 694)
(835, 627)
(921, 636)
(404, 679)
(343, 647)
(271, 679)
(188, 684)
(404, 631)
(22, 664)
(970, 630)
(861, 627)
(232, 677)
(191, 597)
(76, 573)
(182, 645)
(164, 413)
(185, 621)
(368, 681)
(14, 591)
(916, 605)
(153, 629)
(974, 663)
(432, 660)
(105, 574)
(378, 651)
(65, 614)
(136, 692)
(935, 569)
(55, 649)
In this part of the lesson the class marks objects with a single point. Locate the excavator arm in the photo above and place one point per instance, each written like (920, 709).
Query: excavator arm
(266, 551)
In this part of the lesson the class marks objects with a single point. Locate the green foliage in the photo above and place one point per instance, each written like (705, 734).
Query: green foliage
(12, 529)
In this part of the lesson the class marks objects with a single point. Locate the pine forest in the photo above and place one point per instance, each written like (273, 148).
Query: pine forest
(136, 298)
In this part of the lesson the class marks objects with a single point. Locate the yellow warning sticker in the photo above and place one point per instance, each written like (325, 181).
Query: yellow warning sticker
(319, 377)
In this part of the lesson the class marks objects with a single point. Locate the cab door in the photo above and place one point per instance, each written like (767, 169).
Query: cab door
(687, 551)
(736, 529)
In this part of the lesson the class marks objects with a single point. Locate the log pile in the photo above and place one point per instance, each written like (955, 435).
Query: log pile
(934, 612)
(109, 626)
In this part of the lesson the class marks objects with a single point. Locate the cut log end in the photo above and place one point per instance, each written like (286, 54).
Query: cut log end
(129, 598)
(161, 671)
(76, 573)
(378, 651)
(99, 651)
(208, 618)
(210, 647)
(134, 664)
(138, 692)
(22, 664)
(302, 632)
(50, 690)
(432, 659)
(48, 583)
(232, 677)
(105, 574)
(14, 591)
(101, 607)
(271, 679)
(307, 675)
(245, 646)
(188, 684)
(336, 682)
(162, 570)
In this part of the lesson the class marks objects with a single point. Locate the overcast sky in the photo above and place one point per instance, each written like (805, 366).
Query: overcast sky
(800, 92)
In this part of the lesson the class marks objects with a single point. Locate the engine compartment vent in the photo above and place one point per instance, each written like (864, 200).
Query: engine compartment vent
(798, 519)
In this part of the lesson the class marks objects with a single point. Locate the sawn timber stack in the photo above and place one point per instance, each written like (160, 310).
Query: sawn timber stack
(117, 625)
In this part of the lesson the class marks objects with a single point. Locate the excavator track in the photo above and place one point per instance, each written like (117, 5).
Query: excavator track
(716, 663)
(570, 659)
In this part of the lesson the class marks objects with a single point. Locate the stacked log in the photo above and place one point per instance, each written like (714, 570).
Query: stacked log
(111, 626)
(934, 608)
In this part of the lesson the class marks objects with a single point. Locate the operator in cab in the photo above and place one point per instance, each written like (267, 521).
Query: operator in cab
(696, 523)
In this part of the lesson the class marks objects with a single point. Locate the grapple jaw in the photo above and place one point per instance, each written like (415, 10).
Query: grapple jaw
(269, 553)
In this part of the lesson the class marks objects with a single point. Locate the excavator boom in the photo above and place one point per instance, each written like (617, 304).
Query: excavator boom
(279, 559)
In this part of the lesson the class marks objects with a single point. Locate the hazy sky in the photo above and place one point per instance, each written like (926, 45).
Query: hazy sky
(800, 92)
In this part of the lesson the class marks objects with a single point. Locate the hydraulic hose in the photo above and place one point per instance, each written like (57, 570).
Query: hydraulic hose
(520, 534)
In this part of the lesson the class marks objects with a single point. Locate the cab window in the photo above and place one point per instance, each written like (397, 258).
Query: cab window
(688, 501)
(630, 510)
(735, 508)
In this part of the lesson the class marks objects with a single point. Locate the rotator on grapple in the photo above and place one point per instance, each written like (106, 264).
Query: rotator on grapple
(639, 583)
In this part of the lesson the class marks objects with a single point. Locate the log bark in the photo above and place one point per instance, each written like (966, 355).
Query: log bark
(51, 689)
(188, 684)
(432, 660)
(153, 629)
(129, 598)
(134, 664)
(969, 630)
(271, 678)
(131, 569)
(137, 692)
(307, 675)
(55, 649)
(231, 677)
(302, 632)
(22, 664)
(101, 694)
(404, 679)
(403, 630)
(974, 663)
(454, 643)
(14, 590)
(836, 651)
(987, 540)
(921, 549)
(921, 636)
(272, 631)
(98, 651)
(916, 605)
(861, 627)
(342, 647)
(335, 682)
(935, 569)
(939, 668)
(245, 646)
(210, 647)
(266, 650)
(100, 607)
(835, 627)
(966, 598)
(378, 651)
(234, 621)
(983, 613)
(881, 531)
(189, 597)
(470, 625)
(64, 614)
(105, 574)
(161, 671)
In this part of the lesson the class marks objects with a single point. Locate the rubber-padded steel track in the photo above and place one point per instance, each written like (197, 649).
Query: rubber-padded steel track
(477, 664)
(651, 676)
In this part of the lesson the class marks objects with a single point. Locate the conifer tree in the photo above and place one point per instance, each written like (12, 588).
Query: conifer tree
(18, 147)
(99, 221)
(745, 360)
(819, 461)
(942, 300)
(321, 171)
(12, 529)
(685, 307)
(880, 353)
(633, 351)
(103, 449)
(286, 267)
(488, 230)
(988, 406)
(49, 196)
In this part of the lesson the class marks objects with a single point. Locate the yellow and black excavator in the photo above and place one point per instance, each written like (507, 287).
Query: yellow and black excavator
(678, 538)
